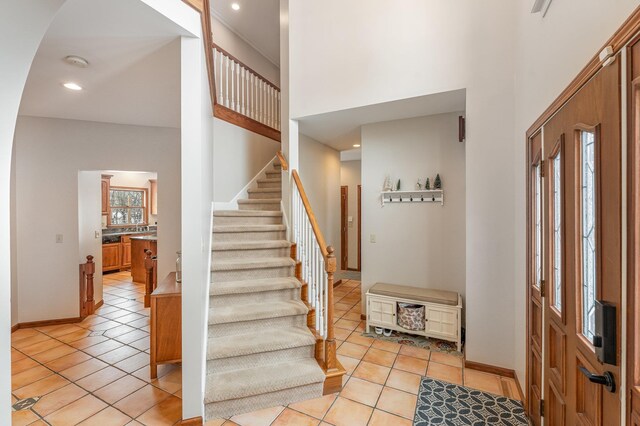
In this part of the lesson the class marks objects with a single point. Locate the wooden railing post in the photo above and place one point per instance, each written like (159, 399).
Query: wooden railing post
(90, 269)
(330, 342)
(148, 266)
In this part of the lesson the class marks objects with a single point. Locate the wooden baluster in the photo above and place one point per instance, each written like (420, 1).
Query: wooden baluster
(330, 342)
(148, 281)
(90, 269)
(221, 60)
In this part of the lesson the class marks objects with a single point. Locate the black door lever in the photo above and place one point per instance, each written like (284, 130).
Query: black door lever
(606, 379)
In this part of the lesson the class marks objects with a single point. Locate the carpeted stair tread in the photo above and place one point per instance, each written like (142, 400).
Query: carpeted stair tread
(250, 201)
(249, 245)
(256, 311)
(260, 380)
(247, 213)
(258, 342)
(256, 285)
(266, 180)
(263, 190)
(248, 228)
(251, 263)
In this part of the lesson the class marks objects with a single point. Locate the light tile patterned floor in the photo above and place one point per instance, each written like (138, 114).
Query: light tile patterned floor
(382, 380)
(96, 372)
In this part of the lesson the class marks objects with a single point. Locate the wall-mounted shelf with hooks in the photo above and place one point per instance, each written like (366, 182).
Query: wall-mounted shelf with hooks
(416, 196)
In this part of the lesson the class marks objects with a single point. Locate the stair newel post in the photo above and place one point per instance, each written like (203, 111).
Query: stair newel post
(148, 266)
(89, 271)
(330, 342)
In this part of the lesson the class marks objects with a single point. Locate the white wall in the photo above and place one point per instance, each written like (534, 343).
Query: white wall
(550, 54)
(350, 176)
(320, 176)
(367, 54)
(47, 179)
(238, 156)
(89, 211)
(232, 43)
(420, 244)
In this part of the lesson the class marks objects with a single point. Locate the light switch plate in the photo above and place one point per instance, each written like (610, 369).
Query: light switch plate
(58, 238)
(372, 238)
(97, 234)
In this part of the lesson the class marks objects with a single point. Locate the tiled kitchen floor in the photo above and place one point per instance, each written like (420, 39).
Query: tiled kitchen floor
(96, 372)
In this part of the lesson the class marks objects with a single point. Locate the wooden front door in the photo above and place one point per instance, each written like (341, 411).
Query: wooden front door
(344, 229)
(579, 260)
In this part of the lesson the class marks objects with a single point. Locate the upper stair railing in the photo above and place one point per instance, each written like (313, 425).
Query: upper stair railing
(243, 97)
(317, 265)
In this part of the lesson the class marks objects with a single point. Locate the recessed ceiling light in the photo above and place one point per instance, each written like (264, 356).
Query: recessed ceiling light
(72, 86)
(357, 145)
(235, 6)
(76, 61)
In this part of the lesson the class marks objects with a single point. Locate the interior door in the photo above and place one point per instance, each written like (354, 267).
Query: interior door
(534, 278)
(582, 259)
(344, 240)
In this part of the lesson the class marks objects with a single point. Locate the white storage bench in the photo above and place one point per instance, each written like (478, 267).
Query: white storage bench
(443, 310)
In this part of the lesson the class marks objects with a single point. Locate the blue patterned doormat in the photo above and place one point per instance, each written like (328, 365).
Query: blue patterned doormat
(446, 404)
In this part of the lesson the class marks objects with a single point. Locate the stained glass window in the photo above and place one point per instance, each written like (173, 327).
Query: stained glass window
(557, 232)
(588, 217)
(538, 227)
(127, 206)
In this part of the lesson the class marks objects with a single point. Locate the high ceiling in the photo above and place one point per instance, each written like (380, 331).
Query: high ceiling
(341, 129)
(133, 75)
(257, 22)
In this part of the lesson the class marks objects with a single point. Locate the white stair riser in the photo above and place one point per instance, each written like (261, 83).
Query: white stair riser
(255, 297)
(270, 183)
(257, 359)
(273, 207)
(251, 220)
(230, 407)
(253, 253)
(249, 236)
(275, 195)
(248, 274)
(227, 329)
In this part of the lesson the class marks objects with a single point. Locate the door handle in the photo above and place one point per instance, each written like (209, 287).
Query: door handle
(606, 379)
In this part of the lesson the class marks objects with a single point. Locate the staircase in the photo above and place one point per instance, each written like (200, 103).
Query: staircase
(260, 351)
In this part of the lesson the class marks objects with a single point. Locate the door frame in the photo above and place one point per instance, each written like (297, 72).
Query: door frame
(633, 236)
(359, 228)
(627, 33)
(344, 227)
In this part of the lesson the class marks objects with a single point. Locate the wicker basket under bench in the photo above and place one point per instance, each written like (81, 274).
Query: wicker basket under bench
(443, 310)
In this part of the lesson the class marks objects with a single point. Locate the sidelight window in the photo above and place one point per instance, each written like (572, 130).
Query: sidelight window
(556, 164)
(588, 232)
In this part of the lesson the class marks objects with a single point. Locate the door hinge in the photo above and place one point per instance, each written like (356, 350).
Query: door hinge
(542, 408)
(543, 288)
(542, 164)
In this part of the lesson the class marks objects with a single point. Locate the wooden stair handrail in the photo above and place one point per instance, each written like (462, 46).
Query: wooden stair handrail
(283, 161)
(247, 67)
(312, 217)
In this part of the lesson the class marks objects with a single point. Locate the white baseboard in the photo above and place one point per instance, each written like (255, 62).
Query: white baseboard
(244, 192)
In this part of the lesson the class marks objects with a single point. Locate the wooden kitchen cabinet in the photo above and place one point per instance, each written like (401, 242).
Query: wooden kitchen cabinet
(166, 324)
(153, 195)
(106, 186)
(138, 246)
(111, 256)
(126, 251)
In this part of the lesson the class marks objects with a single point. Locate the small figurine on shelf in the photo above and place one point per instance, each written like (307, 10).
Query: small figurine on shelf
(419, 185)
(427, 184)
(387, 184)
(437, 184)
(398, 185)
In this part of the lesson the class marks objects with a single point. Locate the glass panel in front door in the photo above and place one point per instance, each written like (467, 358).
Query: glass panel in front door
(588, 244)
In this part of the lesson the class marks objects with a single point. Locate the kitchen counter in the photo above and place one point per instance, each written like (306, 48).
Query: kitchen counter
(138, 247)
(145, 237)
